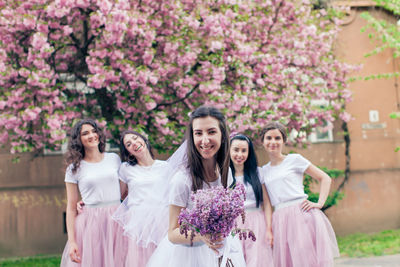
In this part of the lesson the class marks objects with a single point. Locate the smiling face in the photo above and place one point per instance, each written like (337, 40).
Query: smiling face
(134, 144)
(273, 141)
(89, 137)
(239, 152)
(206, 136)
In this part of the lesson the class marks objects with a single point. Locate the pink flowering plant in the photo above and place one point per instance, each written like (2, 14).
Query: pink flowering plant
(149, 63)
(214, 213)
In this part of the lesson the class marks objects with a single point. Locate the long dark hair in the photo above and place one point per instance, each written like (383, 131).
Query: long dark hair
(76, 151)
(125, 155)
(195, 164)
(251, 175)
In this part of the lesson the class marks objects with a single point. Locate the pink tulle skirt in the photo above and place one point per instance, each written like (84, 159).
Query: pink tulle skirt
(256, 253)
(101, 241)
(303, 238)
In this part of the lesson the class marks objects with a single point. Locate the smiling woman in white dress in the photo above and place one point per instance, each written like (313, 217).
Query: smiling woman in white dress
(139, 215)
(206, 166)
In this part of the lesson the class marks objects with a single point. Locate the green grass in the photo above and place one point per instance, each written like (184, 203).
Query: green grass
(367, 245)
(356, 245)
(35, 261)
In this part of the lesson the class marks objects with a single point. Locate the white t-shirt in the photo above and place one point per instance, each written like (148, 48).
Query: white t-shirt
(250, 201)
(181, 187)
(284, 182)
(97, 182)
(141, 180)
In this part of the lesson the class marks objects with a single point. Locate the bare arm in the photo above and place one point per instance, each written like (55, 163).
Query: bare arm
(173, 232)
(72, 200)
(177, 238)
(325, 181)
(124, 189)
(268, 214)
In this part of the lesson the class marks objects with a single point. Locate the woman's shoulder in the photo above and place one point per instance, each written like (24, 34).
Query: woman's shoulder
(68, 170)
(259, 172)
(161, 163)
(182, 173)
(69, 167)
(111, 155)
(125, 165)
(294, 157)
(71, 176)
(182, 176)
(265, 166)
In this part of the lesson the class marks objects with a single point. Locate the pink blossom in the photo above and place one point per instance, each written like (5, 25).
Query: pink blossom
(161, 121)
(260, 82)
(147, 58)
(3, 137)
(31, 114)
(155, 60)
(24, 72)
(102, 123)
(187, 59)
(216, 45)
(153, 80)
(67, 30)
(344, 116)
(96, 81)
(38, 41)
(29, 23)
(150, 105)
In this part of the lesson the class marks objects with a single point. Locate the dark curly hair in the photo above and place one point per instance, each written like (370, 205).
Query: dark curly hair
(76, 151)
(125, 155)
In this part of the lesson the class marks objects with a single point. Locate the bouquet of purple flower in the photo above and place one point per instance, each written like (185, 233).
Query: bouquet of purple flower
(214, 212)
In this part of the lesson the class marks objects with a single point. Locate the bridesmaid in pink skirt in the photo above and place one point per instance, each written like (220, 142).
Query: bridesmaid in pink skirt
(257, 205)
(303, 235)
(144, 213)
(94, 239)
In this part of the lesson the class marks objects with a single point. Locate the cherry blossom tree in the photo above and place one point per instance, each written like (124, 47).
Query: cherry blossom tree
(146, 64)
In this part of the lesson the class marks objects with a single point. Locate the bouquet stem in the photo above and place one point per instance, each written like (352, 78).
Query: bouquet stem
(229, 262)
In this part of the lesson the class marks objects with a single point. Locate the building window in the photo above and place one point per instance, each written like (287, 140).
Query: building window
(319, 135)
(322, 133)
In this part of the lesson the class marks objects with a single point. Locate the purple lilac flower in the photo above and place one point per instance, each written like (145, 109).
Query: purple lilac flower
(214, 212)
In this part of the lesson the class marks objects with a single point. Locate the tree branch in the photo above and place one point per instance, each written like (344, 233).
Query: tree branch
(347, 154)
(275, 19)
(178, 100)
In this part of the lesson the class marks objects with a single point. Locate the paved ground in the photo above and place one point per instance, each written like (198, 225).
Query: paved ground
(384, 261)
